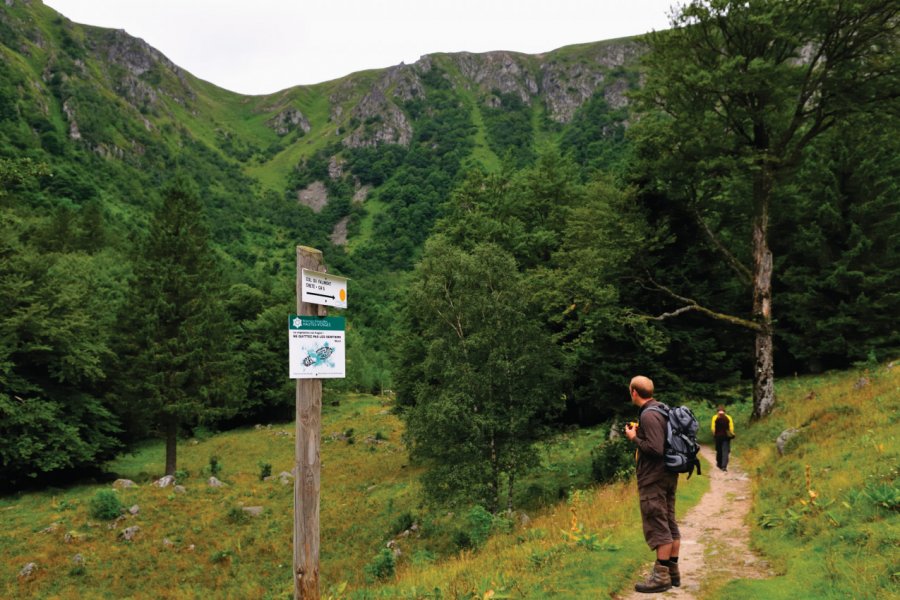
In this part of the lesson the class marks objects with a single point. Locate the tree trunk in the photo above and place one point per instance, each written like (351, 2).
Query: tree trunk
(171, 444)
(763, 373)
(494, 500)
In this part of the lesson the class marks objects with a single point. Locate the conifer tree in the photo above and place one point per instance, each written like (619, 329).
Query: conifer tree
(178, 357)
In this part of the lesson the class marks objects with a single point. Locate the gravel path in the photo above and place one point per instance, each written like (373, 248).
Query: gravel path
(715, 539)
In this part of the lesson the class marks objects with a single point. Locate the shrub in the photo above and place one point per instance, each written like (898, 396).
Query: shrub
(480, 523)
(215, 467)
(382, 566)
(612, 460)
(237, 515)
(403, 522)
(462, 540)
(265, 469)
(105, 505)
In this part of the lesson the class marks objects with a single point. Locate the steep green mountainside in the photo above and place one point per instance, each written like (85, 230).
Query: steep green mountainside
(364, 161)
(94, 124)
(93, 99)
(358, 166)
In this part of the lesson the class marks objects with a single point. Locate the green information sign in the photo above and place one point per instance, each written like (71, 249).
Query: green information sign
(316, 347)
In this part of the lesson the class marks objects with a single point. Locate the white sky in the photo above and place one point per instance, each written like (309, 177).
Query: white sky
(262, 46)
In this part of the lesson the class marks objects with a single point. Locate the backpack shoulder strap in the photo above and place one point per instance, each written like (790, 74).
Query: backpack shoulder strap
(660, 408)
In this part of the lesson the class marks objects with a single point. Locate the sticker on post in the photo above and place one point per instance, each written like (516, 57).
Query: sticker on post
(316, 347)
(323, 288)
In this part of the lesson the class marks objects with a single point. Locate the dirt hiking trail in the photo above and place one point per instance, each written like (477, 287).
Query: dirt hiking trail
(715, 539)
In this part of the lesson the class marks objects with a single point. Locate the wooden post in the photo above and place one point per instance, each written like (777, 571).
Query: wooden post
(307, 465)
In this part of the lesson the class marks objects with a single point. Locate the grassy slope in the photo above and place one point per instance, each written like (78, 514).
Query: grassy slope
(366, 487)
(822, 513)
(840, 544)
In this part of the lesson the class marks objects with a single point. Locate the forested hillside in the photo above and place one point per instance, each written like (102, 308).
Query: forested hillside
(522, 233)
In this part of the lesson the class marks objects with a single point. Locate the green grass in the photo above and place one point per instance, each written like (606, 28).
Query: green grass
(823, 514)
(367, 488)
(372, 208)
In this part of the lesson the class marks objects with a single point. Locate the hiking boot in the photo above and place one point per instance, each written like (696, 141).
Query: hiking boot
(659, 581)
(675, 575)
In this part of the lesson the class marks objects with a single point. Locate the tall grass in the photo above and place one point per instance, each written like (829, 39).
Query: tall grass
(827, 513)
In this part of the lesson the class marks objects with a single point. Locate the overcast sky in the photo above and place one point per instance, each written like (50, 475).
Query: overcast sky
(262, 46)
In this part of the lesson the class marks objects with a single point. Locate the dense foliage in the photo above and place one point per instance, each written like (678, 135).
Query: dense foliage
(735, 95)
(176, 355)
(559, 244)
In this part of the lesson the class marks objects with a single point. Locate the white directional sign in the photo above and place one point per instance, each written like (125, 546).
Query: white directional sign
(323, 288)
(316, 347)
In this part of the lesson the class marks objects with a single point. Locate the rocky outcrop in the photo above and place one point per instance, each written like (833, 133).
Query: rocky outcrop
(562, 82)
(336, 167)
(314, 196)
(134, 54)
(565, 86)
(383, 123)
(378, 118)
(288, 120)
(144, 67)
(339, 233)
(136, 91)
(361, 194)
(74, 133)
(505, 72)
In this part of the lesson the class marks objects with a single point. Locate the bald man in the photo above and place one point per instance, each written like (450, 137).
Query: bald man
(656, 488)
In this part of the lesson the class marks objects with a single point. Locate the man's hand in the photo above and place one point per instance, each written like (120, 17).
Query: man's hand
(631, 431)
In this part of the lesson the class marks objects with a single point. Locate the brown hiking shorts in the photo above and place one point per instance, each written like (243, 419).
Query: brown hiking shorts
(658, 511)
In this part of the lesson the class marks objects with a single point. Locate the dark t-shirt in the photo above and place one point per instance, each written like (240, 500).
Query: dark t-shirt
(651, 444)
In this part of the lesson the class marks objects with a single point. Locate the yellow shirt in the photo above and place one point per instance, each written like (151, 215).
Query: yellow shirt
(730, 424)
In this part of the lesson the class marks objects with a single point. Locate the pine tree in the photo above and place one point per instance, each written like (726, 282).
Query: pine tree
(178, 357)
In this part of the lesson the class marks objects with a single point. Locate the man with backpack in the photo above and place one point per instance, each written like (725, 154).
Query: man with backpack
(656, 486)
(723, 431)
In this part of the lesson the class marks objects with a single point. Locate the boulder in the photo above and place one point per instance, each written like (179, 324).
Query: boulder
(164, 481)
(783, 438)
(51, 528)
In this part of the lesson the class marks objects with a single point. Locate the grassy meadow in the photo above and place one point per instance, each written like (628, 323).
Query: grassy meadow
(827, 511)
(825, 516)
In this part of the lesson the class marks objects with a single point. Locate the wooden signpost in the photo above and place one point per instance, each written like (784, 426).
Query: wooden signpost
(307, 464)
(323, 359)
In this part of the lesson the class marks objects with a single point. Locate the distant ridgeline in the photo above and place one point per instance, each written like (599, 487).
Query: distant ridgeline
(521, 148)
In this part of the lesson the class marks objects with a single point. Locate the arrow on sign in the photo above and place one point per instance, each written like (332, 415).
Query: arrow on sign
(323, 295)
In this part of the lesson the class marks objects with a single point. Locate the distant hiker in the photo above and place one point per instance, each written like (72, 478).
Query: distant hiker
(723, 430)
(656, 488)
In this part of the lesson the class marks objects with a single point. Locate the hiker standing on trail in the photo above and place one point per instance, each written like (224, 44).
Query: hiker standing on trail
(723, 430)
(656, 488)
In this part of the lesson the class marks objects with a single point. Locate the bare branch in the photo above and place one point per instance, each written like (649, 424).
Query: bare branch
(739, 267)
(694, 305)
